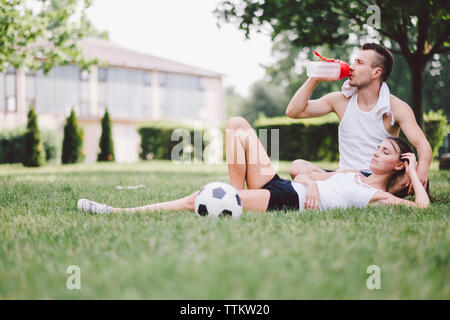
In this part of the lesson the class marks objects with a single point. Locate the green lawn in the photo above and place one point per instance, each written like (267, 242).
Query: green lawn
(181, 256)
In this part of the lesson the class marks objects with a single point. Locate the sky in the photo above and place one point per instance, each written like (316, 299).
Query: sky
(185, 31)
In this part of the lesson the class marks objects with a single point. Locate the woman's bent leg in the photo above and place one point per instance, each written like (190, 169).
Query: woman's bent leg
(246, 157)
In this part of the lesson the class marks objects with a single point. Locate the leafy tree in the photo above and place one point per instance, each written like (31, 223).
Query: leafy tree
(233, 102)
(436, 79)
(106, 141)
(265, 98)
(289, 71)
(73, 140)
(34, 153)
(44, 36)
(416, 29)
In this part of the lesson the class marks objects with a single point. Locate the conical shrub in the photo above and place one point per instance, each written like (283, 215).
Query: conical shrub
(106, 142)
(34, 153)
(73, 140)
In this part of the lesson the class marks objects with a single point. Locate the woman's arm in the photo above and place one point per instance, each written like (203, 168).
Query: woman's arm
(312, 196)
(421, 197)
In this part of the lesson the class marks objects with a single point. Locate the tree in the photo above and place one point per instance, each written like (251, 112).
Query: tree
(233, 102)
(44, 36)
(73, 140)
(416, 29)
(266, 99)
(106, 142)
(289, 69)
(34, 153)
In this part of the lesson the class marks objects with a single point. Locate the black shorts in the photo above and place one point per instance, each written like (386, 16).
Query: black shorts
(282, 195)
(365, 173)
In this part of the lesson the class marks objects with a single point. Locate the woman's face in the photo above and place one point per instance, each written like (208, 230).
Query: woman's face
(386, 158)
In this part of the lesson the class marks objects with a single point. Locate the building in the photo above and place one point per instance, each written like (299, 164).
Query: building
(134, 86)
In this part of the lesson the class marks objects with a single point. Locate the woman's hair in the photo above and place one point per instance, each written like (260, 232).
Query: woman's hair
(404, 148)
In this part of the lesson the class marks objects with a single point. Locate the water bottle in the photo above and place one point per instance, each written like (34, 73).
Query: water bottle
(328, 68)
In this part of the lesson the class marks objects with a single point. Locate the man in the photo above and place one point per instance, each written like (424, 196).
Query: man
(367, 114)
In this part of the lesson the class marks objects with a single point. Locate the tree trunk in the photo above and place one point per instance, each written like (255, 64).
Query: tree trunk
(417, 66)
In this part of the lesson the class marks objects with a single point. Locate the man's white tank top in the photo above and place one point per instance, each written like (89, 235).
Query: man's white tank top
(342, 190)
(360, 132)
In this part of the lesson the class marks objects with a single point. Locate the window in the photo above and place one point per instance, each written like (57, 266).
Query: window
(147, 79)
(84, 92)
(10, 90)
(201, 83)
(162, 78)
(102, 90)
(58, 91)
(126, 93)
(102, 74)
(147, 103)
(30, 89)
(182, 97)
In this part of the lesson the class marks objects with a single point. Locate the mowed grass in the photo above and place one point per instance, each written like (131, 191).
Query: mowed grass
(277, 255)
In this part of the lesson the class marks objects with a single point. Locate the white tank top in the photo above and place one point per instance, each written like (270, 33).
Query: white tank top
(360, 132)
(342, 190)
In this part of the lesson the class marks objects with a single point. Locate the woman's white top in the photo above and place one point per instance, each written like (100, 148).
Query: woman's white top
(343, 190)
(360, 132)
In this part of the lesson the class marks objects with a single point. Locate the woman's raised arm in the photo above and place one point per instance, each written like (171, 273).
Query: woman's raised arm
(421, 197)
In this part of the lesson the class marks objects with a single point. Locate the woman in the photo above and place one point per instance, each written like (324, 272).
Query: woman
(248, 163)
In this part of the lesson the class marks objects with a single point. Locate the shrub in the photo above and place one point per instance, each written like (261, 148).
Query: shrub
(317, 139)
(156, 141)
(106, 142)
(52, 145)
(310, 139)
(12, 145)
(435, 129)
(33, 152)
(73, 140)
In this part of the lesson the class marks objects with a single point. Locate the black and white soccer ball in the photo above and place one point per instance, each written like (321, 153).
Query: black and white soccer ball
(218, 199)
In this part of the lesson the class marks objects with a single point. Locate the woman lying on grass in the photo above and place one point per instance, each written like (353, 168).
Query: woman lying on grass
(249, 163)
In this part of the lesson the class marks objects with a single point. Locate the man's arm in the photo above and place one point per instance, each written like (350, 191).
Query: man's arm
(301, 107)
(408, 124)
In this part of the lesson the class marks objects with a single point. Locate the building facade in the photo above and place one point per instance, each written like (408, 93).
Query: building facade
(133, 86)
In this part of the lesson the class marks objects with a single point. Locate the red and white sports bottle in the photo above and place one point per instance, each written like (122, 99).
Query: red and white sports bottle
(328, 68)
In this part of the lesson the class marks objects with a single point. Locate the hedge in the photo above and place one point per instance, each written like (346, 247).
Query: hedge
(435, 129)
(12, 144)
(156, 141)
(317, 139)
(310, 139)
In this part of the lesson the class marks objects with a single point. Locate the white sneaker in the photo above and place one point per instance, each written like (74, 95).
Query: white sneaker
(93, 207)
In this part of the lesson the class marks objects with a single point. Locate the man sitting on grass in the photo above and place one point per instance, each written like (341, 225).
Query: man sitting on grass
(367, 113)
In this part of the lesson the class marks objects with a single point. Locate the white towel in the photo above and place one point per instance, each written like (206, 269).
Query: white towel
(384, 98)
(348, 90)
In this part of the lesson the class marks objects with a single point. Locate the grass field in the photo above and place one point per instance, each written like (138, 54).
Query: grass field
(278, 255)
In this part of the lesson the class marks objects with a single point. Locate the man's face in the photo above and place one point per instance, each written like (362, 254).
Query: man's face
(361, 69)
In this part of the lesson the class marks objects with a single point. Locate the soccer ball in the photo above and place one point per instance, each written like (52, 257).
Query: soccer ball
(218, 199)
